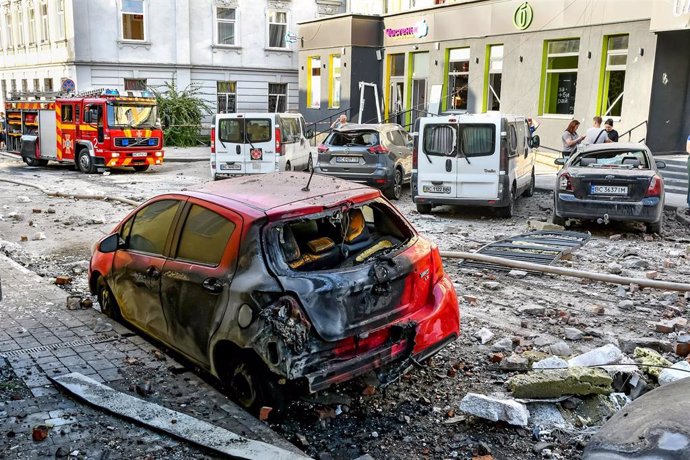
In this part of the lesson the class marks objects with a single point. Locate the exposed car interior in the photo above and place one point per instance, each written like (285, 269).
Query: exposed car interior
(627, 159)
(341, 239)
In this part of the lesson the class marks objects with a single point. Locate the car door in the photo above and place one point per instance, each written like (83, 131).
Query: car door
(260, 144)
(137, 268)
(478, 161)
(230, 146)
(436, 160)
(404, 140)
(195, 281)
(524, 166)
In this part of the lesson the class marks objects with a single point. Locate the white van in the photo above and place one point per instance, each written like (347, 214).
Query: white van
(473, 159)
(258, 143)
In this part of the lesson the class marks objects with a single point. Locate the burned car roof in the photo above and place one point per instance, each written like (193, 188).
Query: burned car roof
(277, 194)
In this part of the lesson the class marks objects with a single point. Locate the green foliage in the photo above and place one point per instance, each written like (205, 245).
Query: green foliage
(181, 112)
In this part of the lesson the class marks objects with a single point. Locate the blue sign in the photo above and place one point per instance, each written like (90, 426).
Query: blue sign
(68, 85)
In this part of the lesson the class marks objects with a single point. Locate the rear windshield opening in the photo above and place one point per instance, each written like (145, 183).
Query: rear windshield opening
(244, 130)
(353, 139)
(342, 238)
(627, 159)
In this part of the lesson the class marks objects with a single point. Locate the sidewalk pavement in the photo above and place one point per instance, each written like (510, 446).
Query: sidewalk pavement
(41, 338)
(186, 154)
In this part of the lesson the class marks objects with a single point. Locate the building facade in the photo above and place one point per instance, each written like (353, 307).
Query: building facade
(554, 60)
(237, 52)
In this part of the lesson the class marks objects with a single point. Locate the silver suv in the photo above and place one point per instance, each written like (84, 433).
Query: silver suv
(376, 155)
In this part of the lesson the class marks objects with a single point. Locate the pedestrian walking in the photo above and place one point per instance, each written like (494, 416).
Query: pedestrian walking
(571, 139)
(340, 122)
(596, 134)
(610, 132)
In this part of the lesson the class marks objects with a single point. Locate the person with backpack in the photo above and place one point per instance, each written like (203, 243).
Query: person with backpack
(596, 134)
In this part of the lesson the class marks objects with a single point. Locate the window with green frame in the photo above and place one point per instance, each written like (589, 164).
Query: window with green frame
(559, 76)
(613, 75)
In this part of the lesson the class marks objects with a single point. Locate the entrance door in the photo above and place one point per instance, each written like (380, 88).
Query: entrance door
(397, 90)
(418, 98)
(66, 129)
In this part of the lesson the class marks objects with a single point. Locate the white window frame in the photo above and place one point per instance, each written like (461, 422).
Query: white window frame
(9, 30)
(280, 97)
(60, 26)
(216, 21)
(45, 21)
(121, 23)
(268, 28)
(227, 95)
(21, 38)
(32, 36)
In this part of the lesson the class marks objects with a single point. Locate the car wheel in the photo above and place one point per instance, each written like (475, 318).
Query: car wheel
(310, 164)
(394, 192)
(30, 161)
(253, 388)
(42, 162)
(423, 208)
(656, 227)
(508, 211)
(530, 190)
(288, 166)
(106, 300)
(86, 162)
(141, 168)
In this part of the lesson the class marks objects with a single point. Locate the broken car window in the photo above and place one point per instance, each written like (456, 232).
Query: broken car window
(204, 236)
(626, 159)
(353, 139)
(342, 238)
(151, 226)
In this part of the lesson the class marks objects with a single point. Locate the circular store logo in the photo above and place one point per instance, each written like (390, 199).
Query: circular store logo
(421, 29)
(522, 18)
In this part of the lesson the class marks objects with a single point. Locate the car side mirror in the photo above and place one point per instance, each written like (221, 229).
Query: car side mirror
(309, 134)
(534, 142)
(111, 243)
(559, 161)
(660, 164)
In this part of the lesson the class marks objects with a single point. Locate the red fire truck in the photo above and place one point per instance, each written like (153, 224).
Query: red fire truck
(95, 130)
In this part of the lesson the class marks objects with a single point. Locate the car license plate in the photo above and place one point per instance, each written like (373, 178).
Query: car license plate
(347, 159)
(230, 167)
(139, 154)
(435, 189)
(608, 190)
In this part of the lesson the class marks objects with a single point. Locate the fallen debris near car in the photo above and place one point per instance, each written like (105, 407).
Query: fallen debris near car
(552, 383)
(175, 423)
(495, 409)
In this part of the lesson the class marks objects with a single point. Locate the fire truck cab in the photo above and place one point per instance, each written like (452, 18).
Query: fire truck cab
(95, 130)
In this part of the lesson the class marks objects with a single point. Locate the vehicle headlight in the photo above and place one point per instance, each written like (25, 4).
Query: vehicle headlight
(115, 155)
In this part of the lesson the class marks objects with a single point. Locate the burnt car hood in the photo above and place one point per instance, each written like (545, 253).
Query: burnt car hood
(353, 301)
(654, 426)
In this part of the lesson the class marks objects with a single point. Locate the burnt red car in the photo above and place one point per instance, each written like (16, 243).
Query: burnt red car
(265, 284)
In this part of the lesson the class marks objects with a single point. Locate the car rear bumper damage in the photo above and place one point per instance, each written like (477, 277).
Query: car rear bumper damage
(380, 177)
(648, 209)
(410, 340)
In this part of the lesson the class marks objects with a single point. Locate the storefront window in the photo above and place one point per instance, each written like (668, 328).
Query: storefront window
(560, 76)
(334, 82)
(314, 82)
(614, 75)
(494, 78)
(458, 78)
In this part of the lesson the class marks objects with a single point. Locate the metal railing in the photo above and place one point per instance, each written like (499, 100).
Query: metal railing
(630, 131)
(317, 128)
(401, 118)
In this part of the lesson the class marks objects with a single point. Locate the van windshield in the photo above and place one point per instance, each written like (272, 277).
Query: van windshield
(244, 130)
(475, 140)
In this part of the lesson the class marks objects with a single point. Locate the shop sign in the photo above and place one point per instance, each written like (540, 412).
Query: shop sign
(522, 18)
(681, 7)
(419, 30)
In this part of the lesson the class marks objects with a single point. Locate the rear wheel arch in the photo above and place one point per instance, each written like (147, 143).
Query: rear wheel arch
(94, 280)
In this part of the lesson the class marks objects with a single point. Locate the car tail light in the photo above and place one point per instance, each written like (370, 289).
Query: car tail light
(415, 154)
(377, 149)
(503, 162)
(565, 183)
(213, 140)
(436, 265)
(322, 148)
(279, 143)
(656, 185)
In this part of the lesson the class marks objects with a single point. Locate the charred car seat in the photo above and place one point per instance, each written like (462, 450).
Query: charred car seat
(321, 253)
(357, 236)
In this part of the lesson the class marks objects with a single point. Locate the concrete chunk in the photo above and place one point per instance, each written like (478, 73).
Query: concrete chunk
(680, 370)
(653, 359)
(495, 409)
(608, 354)
(559, 382)
(552, 362)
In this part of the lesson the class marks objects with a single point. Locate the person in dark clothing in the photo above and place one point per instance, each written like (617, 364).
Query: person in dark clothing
(612, 133)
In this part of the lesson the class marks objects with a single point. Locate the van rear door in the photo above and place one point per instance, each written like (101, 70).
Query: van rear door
(478, 161)
(246, 145)
(436, 159)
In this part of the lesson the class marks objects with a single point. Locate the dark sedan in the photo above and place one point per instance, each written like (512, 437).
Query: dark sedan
(376, 155)
(610, 182)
